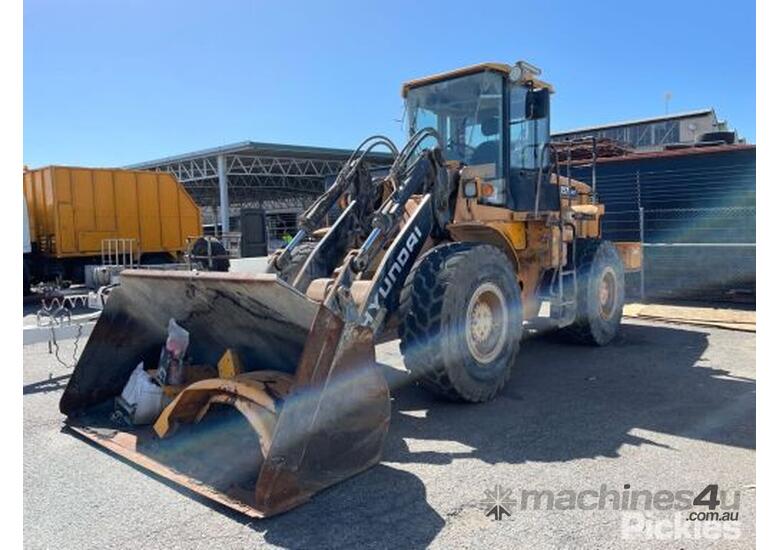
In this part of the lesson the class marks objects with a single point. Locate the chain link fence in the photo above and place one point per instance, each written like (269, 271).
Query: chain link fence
(697, 226)
(699, 253)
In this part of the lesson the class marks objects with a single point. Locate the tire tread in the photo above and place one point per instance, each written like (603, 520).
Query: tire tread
(421, 311)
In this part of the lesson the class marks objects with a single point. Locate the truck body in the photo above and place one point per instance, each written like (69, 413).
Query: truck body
(73, 210)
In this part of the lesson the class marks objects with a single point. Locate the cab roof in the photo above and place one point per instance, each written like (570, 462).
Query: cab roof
(502, 68)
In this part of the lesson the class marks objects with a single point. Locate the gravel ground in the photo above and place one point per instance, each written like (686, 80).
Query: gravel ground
(666, 407)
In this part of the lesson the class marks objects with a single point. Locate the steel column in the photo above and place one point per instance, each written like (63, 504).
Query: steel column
(224, 203)
(642, 248)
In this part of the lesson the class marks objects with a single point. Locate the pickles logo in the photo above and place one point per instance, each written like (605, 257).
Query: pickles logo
(498, 502)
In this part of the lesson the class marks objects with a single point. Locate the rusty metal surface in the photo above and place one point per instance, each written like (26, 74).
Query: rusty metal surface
(630, 254)
(292, 434)
(188, 460)
(582, 150)
(640, 155)
(126, 445)
(252, 397)
(333, 424)
(264, 320)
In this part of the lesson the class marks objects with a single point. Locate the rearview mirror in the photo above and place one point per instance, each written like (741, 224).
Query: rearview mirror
(537, 104)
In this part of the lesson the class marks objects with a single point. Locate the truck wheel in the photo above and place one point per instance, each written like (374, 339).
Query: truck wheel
(27, 280)
(461, 321)
(601, 293)
(199, 251)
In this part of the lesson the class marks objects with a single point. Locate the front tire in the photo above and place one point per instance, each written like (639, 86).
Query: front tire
(461, 321)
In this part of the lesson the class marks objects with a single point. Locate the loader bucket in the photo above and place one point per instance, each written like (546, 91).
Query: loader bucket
(310, 410)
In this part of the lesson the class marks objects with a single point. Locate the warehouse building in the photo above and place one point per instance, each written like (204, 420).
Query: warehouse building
(655, 133)
(280, 179)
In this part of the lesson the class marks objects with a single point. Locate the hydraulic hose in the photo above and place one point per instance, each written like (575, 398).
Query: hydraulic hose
(313, 215)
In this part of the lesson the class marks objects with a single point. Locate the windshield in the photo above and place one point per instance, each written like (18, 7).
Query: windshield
(467, 113)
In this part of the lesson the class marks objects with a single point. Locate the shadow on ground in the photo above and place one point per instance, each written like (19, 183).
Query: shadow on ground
(381, 508)
(52, 383)
(567, 402)
(563, 403)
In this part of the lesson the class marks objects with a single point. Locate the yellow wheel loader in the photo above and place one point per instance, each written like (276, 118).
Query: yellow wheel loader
(469, 237)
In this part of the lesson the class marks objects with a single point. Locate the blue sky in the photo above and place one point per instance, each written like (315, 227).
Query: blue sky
(110, 82)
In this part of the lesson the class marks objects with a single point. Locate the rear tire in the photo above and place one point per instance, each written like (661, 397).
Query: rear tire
(461, 321)
(601, 293)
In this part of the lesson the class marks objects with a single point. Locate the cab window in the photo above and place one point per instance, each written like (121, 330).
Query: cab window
(527, 136)
(467, 112)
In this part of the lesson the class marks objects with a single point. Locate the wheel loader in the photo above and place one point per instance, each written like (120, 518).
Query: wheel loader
(470, 236)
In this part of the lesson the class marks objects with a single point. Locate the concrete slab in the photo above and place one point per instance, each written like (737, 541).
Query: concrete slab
(734, 319)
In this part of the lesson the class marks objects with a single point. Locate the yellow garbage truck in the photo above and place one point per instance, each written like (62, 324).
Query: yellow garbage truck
(73, 215)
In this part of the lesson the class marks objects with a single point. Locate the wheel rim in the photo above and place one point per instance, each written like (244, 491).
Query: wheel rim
(607, 293)
(486, 323)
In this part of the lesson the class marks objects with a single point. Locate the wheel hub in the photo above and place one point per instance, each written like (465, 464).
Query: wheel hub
(486, 323)
(607, 293)
(481, 321)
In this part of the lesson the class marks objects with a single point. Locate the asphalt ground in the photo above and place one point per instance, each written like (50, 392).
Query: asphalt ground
(664, 408)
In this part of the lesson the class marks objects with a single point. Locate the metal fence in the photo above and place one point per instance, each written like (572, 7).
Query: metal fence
(280, 226)
(673, 187)
(690, 253)
(696, 222)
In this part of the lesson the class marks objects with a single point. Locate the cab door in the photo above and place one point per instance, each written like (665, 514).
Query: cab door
(529, 134)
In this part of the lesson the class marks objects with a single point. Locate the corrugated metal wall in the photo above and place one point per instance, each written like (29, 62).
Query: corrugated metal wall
(699, 219)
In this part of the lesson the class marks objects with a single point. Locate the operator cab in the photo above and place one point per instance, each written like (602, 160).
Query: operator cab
(495, 119)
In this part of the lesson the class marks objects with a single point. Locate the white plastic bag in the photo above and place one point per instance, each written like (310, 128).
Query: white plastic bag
(142, 397)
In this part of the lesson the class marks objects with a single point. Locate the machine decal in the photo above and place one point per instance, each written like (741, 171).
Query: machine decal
(398, 262)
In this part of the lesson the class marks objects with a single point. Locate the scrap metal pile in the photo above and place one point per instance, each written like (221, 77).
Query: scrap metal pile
(582, 150)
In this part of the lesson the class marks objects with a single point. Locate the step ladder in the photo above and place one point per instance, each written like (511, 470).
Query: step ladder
(563, 285)
(559, 303)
